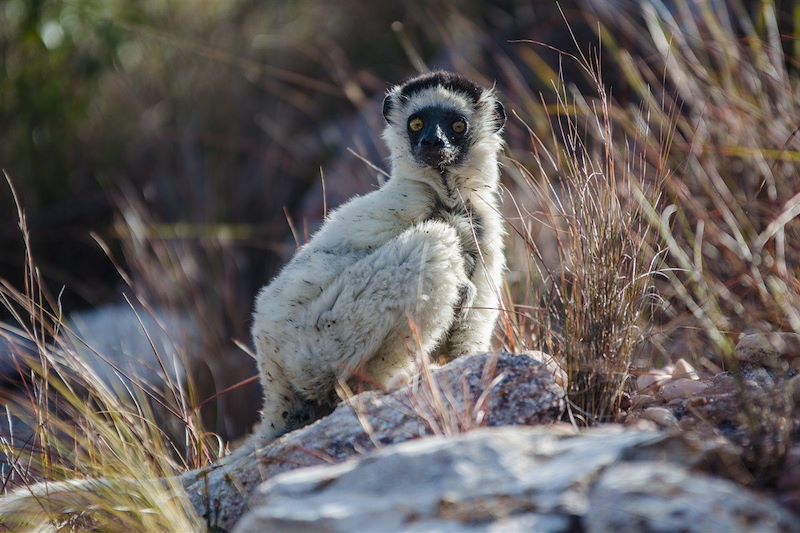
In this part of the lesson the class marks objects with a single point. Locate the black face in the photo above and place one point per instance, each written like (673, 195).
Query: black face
(439, 136)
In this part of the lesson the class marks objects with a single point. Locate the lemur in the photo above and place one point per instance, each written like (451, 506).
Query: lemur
(414, 265)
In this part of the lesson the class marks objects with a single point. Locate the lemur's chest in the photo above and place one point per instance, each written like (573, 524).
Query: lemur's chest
(477, 217)
(475, 224)
(463, 216)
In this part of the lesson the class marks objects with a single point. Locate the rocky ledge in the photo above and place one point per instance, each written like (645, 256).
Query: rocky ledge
(546, 479)
(455, 452)
(750, 409)
(471, 392)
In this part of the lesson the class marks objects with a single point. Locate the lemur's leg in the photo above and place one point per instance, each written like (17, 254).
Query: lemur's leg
(281, 402)
(472, 328)
(364, 314)
(471, 332)
(476, 310)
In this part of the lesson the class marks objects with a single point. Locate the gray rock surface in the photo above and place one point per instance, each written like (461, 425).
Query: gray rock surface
(471, 392)
(119, 341)
(541, 479)
(132, 340)
(752, 410)
(774, 350)
(656, 497)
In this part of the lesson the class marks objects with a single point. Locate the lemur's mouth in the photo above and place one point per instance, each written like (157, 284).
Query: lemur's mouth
(438, 157)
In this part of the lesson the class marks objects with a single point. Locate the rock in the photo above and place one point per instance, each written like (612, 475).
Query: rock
(793, 389)
(753, 410)
(640, 401)
(772, 350)
(788, 482)
(15, 349)
(791, 500)
(474, 477)
(723, 383)
(470, 392)
(132, 340)
(558, 373)
(656, 496)
(684, 370)
(521, 522)
(789, 478)
(516, 478)
(682, 388)
(660, 415)
(118, 339)
(755, 376)
(112, 340)
(16, 352)
(651, 380)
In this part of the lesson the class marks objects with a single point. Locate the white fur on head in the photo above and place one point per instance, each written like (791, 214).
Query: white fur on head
(485, 117)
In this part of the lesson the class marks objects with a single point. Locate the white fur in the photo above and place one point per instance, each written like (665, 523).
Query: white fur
(342, 306)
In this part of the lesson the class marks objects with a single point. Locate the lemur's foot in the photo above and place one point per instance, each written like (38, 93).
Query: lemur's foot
(401, 379)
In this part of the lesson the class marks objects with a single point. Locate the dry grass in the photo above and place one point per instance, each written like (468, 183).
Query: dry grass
(685, 198)
(81, 426)
(586, 303)
(728, 217)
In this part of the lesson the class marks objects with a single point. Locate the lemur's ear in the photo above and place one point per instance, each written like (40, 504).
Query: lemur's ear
(388, 104)
(499, 116)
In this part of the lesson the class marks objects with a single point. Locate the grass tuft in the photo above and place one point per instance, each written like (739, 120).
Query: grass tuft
(68, 423)
(591, 278)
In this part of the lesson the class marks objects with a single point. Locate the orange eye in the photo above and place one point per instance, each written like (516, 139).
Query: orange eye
(459, 126)
(415, 124)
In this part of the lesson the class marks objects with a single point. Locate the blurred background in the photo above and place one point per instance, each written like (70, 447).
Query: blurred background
(170, 155)
(207, 129)
(193, 140)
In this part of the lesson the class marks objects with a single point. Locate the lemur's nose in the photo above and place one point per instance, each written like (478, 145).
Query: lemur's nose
(433, 139)
(432, 142)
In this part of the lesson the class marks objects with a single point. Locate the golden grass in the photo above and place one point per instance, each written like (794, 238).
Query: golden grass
(82, 428)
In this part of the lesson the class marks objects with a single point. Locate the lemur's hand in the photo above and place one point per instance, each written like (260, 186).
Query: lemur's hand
(466, 293)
